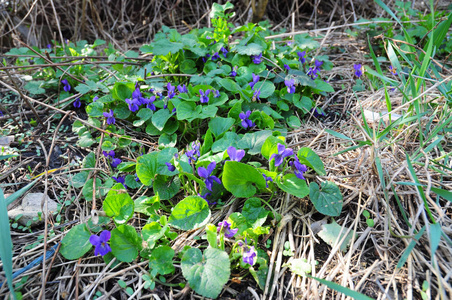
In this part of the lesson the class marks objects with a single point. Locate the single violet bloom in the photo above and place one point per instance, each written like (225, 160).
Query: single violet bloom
(205, 198)
(282, 153)
(224, 51)
(248, 257)
(233, 72)
(299, 168)
(191, 156)
(226, 228)
(171, 90)
(1, 114)
(313, 73)
(358, 71)
(301, 56)
(215, 57)
(100, 243)
(393, 70)
(137, 179)
(108, 154)
(234, 154)
(110, 117)
(115, 162)
(133, 104)
(182, 88)
(246, 122)
(286, 66)
(217, 94)
(267, 179)
(95, 98)
(67, 86)
(196, 146)
(290, 86)
(204, 97)
(137, 96)
(206, 174)
(170, 166)
(256, 94)
(257, 59)
(205, 58)
(254, 81)
(150, 103)
(77, 103)
(318, 64)
(120, 179)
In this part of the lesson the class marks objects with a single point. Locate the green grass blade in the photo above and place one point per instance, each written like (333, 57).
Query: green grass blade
(443, 193)
(337, 134)
(401, 208)
(441, 31)
(19, 193)
(410, 248)
(435, 237)
(342, 289)
(6, 245)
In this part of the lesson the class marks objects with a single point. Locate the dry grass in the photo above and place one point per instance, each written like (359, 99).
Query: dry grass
(369, 264)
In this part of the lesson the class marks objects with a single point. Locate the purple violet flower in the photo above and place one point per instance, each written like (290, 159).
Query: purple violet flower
(205, 58)
(217, 94)
(110, 154)
(206, 174)
(286, 66)
(233, 72)
(182, 88)
(67, 86)
(290, 86)
(234, 154)
(110, 117)
(248, 257)
(226, 228)
(246, 122)
(115, 162)
(282, 153)
(150, 103)
(224, 51)
(120, 179)
(267, 179)
(257, 59)
(100, 243)
(95, 98)
(393, 70)
(170, 166)
(215, 57)
(299, 168)
(133, 104)
(204, 97)
(171, 90)
(256, 94)
(254, 81)
(358, 71)
(301, 56)
(77, 103)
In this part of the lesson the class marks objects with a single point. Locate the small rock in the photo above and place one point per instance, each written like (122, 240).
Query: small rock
(29, 208)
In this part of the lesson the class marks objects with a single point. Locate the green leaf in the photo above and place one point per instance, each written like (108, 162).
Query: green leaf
(118, 204)
(229, 85)
(76, 242)
(166, 187)
(144, 114)
(147, 205)
(190, 213)
(241, 179)
(206, 273)
(220, 125)
(35, 87)
(122, 90)
(311, 159)
(6, 245)
(254, 213)
(187, 111)
(328, 200)
(167, 140)
(162, 260)
(87, 190)
(125, 243)
(270, 146)
(443, 193)
(267, 88)
(152, 232)
(229, 139)
(79, 179)
(163, 47)
(89, 161)
(254, 141)
(147, 167)
(330, 234)
(250, 49)
(293, 185)
(160, 118)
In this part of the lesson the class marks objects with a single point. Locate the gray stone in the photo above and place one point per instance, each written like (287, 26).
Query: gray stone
(29, 208)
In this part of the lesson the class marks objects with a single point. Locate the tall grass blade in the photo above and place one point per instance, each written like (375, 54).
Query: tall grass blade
(410, 248)
(6, 245)
(342, 289)
(19, 193)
